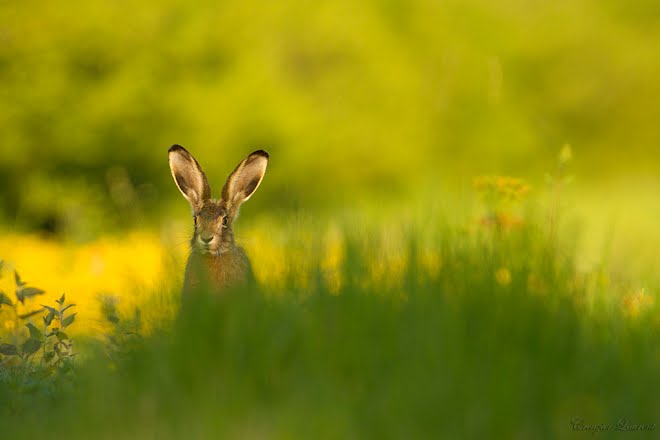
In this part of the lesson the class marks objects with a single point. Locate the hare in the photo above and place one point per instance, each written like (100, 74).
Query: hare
(215, 261)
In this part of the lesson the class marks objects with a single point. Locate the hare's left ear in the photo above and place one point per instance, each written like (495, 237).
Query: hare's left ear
(189, 177)
(245, 180)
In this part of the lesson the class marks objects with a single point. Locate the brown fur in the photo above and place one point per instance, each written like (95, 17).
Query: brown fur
(216, 272)
(215, 261)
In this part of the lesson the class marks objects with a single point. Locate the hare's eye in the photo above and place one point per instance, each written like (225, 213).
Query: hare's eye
(195, 219)
(224, 220)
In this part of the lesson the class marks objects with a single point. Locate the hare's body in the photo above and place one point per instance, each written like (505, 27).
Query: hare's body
(215, 261)
(217, 272)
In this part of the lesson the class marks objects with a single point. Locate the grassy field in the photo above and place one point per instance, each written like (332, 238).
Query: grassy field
(456, 236)
(415, 327)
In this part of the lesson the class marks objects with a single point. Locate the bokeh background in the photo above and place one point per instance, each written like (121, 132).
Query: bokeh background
(384, 108)
(458, 225)
(354, 100)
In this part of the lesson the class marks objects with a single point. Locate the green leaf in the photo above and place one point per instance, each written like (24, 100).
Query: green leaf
(60, 301)
(34, 331)
(67, 307)
(68, 320)
(4, 299)
(17, 277)
(50, 309)
(49, 356)
(67, 365)
(30, 314)
(8, 349)
(29, 292)
(49, 318)
(61, 336)
(31, 346)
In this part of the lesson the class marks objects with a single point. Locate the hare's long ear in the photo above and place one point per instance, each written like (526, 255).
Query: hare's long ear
(245, 180)
(189, 176)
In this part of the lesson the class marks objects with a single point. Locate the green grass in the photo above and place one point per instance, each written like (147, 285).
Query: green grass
(382, 105)
(453, 354)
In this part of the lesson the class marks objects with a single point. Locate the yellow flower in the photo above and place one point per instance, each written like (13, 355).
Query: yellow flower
(636, 302)
(503, 276)
(565, 155)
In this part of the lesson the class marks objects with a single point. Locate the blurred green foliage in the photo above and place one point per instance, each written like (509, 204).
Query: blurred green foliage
(455, 353)
(352, 99)
(356, 102)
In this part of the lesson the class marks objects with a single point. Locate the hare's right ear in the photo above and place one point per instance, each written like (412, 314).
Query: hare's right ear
(189, 177)
(244, 180)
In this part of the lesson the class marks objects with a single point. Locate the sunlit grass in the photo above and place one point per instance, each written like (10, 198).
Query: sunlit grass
(139, 271)
(396, 306)
(354, 321)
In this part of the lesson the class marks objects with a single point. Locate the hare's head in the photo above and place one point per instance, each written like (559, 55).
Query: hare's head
(213, 217)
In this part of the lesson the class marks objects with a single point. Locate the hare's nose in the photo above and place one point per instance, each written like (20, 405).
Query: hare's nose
(206, 240)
